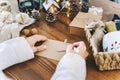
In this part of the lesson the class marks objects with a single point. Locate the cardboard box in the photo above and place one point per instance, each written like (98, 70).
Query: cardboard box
(77, 31)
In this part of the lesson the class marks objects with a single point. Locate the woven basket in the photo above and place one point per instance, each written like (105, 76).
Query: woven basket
(104, 60)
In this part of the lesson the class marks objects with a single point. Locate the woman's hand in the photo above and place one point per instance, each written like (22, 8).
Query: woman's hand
(36, 38)
(78, 48)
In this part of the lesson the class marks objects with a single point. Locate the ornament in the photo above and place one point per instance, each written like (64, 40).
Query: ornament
(26, 32)
(28, 5)
(74, 7)
(50, 3)
(6, 17)
(50, 17)
(22, 18)
(84, 7)
(35, 14)
(64, 4)
(34, 31)
(5, 6)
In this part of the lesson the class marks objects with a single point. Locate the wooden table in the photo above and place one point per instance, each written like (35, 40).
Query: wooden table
(41, 68)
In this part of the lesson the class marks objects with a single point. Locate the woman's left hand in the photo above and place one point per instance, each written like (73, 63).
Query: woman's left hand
(36, 38)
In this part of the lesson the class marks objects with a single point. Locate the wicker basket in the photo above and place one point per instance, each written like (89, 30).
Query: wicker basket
(104, 60)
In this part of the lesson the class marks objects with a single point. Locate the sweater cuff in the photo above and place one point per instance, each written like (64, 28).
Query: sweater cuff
(68, 57)
(14, 51)
(22, 49)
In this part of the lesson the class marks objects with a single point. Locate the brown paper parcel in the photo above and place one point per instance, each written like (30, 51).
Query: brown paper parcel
(55, 49)
(83, 18)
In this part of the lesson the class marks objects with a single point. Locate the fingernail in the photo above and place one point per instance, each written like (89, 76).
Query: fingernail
(44, 46)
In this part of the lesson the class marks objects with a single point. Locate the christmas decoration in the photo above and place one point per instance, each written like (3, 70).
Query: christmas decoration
(84, 7)
(35, 14)
(41, 3)
(86, 1)
(28, 5)
(74, 7)
(50, 3)
(68, 8)
(50, 17)
(5, 6)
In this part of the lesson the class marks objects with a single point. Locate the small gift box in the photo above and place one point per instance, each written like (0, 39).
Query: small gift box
(96, 10)
(80, 20)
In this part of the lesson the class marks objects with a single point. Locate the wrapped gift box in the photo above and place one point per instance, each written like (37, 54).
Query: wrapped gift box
(79, 22)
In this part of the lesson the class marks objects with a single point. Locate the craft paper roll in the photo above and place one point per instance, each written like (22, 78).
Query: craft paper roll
(110, 26)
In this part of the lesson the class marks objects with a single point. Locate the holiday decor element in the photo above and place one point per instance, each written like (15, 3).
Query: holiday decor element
(86, 1)
(68, 8)
(50, 3)
(84, 7)
(58, 2)
(22, 18)
(28, 5)
(35, 14)
(5, 6)
(41, 3)
(50, 17)
(74, 7)
(63, 3)
(6, 17)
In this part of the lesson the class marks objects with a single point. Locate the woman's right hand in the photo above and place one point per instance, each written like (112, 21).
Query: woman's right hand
(78, 48)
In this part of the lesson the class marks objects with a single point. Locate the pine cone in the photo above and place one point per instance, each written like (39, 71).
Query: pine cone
(50, 17)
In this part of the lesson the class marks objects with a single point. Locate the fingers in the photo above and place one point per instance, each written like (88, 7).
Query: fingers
(80, 45)
(69, 49)
(39, 48)
(76, 47)
(34, 49)
(80, 48)
(32, 40)
(35, 38)
(86, 54)
(40, 38)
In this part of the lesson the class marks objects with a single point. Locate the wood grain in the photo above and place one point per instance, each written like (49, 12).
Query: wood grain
(41, 68)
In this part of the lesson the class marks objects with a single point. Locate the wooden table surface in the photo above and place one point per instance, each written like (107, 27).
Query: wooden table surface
(41, 68)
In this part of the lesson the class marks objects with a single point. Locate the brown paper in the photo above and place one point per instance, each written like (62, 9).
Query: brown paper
(83, 18)
(53, 48)
(78, 23)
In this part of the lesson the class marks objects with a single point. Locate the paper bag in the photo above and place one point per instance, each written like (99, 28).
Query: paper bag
(55, 49)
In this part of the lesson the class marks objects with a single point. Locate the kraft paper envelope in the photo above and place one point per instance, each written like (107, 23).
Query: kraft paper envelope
(53, 48)
(84, 18)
